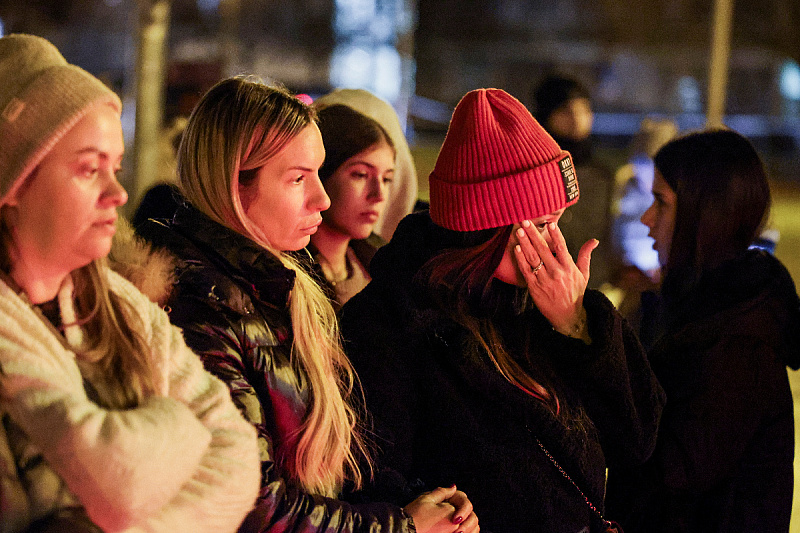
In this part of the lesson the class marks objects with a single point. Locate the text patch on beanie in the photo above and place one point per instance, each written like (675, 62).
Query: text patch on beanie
(568, 175)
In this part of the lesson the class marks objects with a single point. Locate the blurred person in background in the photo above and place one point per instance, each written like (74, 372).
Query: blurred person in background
(248, 168)
(108, 421)
(162, 199)
(723, 329)
(639, 267)
(563, 106)
(485, 360)
(357, 175)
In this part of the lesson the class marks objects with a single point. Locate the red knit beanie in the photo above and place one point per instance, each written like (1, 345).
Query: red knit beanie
(498, 166)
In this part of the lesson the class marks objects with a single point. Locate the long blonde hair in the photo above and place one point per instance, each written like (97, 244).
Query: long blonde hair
(111, 343)
(238, 125)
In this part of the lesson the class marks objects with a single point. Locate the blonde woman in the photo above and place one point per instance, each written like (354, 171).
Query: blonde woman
(248, 167)
(107, 420)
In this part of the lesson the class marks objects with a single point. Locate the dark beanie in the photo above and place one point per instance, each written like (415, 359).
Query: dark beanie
(553, 92)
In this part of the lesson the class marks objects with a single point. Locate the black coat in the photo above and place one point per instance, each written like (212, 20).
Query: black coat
(444, 414)
(231, 300)
(723, 460)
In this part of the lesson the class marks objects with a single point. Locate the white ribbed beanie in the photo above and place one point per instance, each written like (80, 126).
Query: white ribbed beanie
(41, 98)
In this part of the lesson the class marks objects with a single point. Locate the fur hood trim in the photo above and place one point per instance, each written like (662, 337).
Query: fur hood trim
(151, 270)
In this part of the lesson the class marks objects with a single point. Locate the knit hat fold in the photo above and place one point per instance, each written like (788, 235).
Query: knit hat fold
(41, 98)
(498, 166)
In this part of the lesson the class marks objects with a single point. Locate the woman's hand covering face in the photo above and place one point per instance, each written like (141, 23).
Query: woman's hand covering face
(555, 282)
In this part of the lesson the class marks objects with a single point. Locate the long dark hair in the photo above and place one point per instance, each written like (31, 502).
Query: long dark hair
(458, 279)
(345, 133)
(723, 202)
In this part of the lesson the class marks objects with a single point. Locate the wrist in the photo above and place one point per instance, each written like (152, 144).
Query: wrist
(577, 328)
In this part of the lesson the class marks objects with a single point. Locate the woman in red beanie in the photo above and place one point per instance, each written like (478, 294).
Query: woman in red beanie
(485, 360)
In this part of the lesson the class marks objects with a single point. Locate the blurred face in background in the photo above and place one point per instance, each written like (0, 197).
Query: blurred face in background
(573, 120)
(660, 217)
(66, 211)
(358, 190)
(285, 199)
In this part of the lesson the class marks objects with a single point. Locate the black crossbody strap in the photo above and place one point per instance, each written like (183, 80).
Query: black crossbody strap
(608, 525)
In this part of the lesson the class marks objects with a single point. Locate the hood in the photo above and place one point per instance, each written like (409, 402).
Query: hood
(403, 193)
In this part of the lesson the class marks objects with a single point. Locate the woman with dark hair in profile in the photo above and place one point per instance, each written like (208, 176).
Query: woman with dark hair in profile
(357, 175)
(724, 328)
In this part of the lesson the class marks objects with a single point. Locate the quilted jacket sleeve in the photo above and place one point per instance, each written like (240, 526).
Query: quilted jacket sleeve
(241, 351)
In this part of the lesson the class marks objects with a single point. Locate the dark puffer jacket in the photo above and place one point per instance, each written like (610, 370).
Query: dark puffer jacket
(723, 460)
(444, 414)
(230, 299)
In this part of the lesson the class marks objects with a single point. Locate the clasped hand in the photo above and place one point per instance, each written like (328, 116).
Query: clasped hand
(443, 510)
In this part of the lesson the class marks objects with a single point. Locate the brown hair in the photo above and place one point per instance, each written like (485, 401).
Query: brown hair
(723, 201)
(345, 133)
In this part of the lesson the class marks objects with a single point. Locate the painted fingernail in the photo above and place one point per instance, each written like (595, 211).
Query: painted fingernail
(458, 519)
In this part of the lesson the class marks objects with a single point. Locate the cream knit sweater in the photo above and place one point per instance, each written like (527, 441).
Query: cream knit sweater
(183, 461)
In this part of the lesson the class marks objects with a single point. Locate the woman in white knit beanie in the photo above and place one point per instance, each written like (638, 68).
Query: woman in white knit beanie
(108, 421)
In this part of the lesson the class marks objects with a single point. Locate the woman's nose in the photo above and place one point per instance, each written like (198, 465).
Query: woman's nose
(378, 190)
(114, 193)
(647, 217)
(318, 199)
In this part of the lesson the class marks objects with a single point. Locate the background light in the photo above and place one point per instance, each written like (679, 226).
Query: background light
(790, 80)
